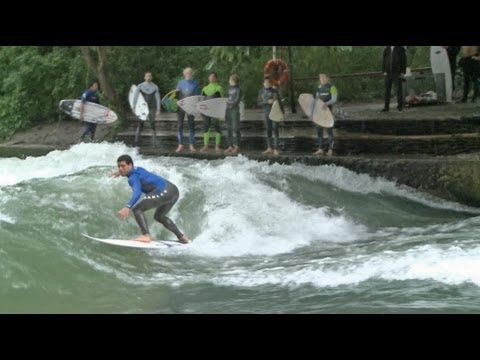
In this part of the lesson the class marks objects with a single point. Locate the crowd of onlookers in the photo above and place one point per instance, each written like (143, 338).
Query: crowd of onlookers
(394, 67)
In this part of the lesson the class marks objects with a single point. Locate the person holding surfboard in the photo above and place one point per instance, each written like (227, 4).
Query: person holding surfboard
(232, 115)
(211, 91)
(328, 94)
(186, 87)
(161, 195)
(266, 97)
(90, 95)
(151, 94)
(394, 69)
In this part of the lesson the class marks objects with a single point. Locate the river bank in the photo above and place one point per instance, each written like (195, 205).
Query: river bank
(434, 149)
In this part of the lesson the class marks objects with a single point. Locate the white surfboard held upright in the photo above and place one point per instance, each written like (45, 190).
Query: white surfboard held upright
(313, 109)
(141, 107)
(441, 65)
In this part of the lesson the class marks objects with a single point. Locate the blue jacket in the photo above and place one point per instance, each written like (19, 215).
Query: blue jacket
(143, 181)
(188, 88)
(90, 96)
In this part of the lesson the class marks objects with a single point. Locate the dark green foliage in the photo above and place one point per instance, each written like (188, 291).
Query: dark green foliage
(34, 80)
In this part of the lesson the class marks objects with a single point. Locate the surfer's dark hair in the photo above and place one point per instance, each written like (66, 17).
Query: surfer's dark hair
(93, 82)
(213, 73)
(128, 160)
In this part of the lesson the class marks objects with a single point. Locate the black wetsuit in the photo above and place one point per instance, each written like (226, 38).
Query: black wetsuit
(264, 95)
(160, 194)
(151, 94)
(232, 115)
(328, 94)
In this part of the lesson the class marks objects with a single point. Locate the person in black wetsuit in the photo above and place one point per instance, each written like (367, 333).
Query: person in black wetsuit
(151, 94)
(232, 115)
(160, 194)
(328, 94)
(266, 97)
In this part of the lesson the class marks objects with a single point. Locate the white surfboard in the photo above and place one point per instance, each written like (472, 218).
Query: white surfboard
(313, 109)
(441, 64)
(164, 244)
(141, 108)
(214, 108)
(276, 112)
(188, 104)
(93, 113)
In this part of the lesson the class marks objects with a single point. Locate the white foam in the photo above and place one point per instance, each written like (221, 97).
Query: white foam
(57, 163)
(451, 265)
(243, 215)
(7, 219)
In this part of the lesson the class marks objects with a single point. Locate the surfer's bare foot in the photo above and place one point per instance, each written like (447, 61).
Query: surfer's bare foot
(276, 152)
(143, 238)
(179, 148)
(184, 239)
(319, 152)
(330, 152)
(192, 149)
(228, 150)
(236, 150)
(204, 149)
(217, 149)
(269, 151)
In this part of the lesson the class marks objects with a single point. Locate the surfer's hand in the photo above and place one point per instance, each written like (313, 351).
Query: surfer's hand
(270, 101)
(123, 214)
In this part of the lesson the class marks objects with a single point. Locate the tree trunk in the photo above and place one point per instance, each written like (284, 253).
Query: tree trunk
(99, 69)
